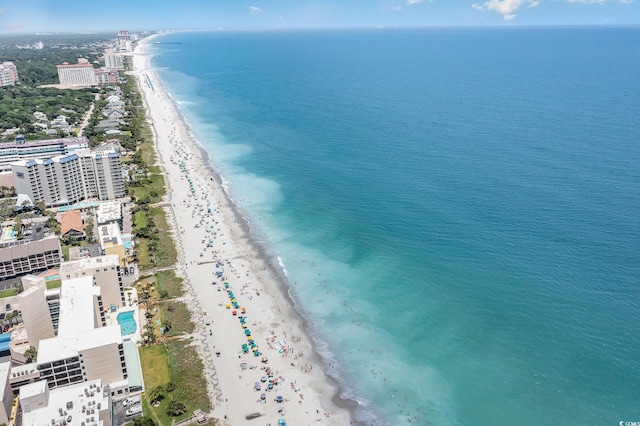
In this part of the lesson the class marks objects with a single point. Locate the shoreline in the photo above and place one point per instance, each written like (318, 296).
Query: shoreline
(201, 206)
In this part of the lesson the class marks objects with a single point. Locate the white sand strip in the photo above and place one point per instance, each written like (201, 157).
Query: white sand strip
(211, 240)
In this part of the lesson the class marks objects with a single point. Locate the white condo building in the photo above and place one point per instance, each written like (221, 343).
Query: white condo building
(8, 74)
(114, 60)
(86, 403)
(67, 179)
(20, 149)
(80, 74)
(106, 275)
(85, 348)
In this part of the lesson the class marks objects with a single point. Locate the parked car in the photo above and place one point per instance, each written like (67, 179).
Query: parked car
(7, 307)
(132, 400)
(136, 409)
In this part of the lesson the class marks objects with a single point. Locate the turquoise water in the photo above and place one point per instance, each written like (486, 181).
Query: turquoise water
(127, 323)
(458, 211)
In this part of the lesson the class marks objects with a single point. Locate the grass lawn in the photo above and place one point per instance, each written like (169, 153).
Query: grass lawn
(179, 363)
(140, 219)
(65, 252)
(155, 367)
(148, 153)
(143, 254)
(8, 292)
(168, 281)
(166, 253)
(54, 284)
(180, 317)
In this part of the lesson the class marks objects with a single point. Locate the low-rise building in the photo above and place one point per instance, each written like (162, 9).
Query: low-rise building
(71, 224)
(109, 212)
(87, 403)
(22, 258)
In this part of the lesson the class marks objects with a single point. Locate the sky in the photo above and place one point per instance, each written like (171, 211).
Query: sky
(17, 16)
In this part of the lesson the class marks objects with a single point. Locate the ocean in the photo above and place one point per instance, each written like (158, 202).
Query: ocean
(457, 210)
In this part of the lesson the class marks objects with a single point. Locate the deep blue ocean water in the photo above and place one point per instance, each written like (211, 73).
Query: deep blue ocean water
(458, 210)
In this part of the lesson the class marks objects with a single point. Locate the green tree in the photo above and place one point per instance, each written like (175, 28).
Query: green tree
(176, 408)
(143, 421)
(18, 228)
(166, 324)
(156, 394)
(31, 354)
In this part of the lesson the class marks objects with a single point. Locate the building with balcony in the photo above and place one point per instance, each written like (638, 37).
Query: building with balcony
(10, 152)
(87, 403)
(8, 74)
(67, 179)
(106, 274)
(81, 74)
(24, 257)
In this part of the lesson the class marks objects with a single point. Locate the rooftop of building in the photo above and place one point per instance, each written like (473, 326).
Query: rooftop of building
(110, 233)
(77, 312)
(88, 263)
(77, 403)
(71, 221)
(58, 348)
(109, 212)
(83, 140)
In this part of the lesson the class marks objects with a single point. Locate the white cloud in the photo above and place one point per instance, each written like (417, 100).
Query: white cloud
(506, 8)
(396, 8)
(255, 10)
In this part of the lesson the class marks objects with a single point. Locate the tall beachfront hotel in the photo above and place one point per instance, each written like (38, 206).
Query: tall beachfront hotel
(67, 179)
(8, 74)
(80, 74)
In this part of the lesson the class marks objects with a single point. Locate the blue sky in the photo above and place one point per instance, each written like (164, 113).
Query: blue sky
(83, 15)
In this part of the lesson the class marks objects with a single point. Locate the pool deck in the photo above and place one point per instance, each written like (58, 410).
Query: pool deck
(112, 318)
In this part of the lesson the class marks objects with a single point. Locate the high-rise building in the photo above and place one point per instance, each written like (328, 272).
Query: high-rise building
(80, 74)
(124, 40)
(113, 60)
(67, 179)
(11, 152)
(8, 74)
(106, 274)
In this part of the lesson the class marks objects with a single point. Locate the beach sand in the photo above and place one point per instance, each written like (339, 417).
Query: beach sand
(212, 239)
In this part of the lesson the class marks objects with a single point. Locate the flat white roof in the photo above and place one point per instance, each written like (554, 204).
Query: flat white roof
(109, 234)
(100, 337)
(33, 389)
(76, 305)
(71, 399)
(58, 348)
(89, 263)
(109, 211)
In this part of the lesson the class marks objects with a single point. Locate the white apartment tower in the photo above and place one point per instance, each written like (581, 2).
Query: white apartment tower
(37, 319)
(113, 60)
(68, 179)
(80, 74)
(124, 40)
(8, 74)
(106, 275)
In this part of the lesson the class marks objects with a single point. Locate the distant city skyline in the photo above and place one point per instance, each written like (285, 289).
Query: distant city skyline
(76, 16)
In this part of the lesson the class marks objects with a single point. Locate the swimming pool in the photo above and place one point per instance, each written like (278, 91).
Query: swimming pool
(127, 323)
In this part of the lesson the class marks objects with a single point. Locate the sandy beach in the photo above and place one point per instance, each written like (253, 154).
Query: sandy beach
(235, 295)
